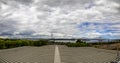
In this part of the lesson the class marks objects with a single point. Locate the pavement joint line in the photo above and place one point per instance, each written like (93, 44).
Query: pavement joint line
(57, 58)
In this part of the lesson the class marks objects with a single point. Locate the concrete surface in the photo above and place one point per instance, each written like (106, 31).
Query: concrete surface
(86, 55)
(44, 54)
(57, 58)
(52, 54)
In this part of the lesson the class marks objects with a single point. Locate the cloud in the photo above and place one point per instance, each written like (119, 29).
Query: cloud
(100, 29)
(40, 18)
(26, 2)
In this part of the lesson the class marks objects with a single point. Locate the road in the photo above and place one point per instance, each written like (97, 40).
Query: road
(56, 54)
(57, 58)
(44, 54)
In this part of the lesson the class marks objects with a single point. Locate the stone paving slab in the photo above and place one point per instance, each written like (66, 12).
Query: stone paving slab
(86, 55)
(44, 54)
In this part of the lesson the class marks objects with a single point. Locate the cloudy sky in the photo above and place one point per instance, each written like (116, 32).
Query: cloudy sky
(61, 18)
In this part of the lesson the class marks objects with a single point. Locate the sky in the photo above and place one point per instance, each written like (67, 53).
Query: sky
(60, 18)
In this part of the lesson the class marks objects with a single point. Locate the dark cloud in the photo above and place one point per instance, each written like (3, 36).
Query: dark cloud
(119, 10)
(8, 27)
(6, 33)
(26, 32)
(27, 2)
(117, 1)
(2, 1)
(16, 2)
(66, 2)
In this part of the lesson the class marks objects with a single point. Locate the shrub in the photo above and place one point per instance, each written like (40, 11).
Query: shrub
(2, 45)
(11, 43)
(77, 44)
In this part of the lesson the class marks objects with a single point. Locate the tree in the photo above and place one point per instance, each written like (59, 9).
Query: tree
(79, 41)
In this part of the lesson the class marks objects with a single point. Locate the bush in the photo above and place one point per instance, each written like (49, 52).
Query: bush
(10, 43)
(40, 42)
(78, 43)
(37, 43)
(97, 46)
(2, 45)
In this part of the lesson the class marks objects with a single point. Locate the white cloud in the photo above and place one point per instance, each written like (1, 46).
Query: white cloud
(59, 16)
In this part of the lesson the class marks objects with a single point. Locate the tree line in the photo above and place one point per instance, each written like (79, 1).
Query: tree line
(11, 43)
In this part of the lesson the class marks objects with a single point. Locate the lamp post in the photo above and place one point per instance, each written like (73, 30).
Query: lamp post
(52, 35)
